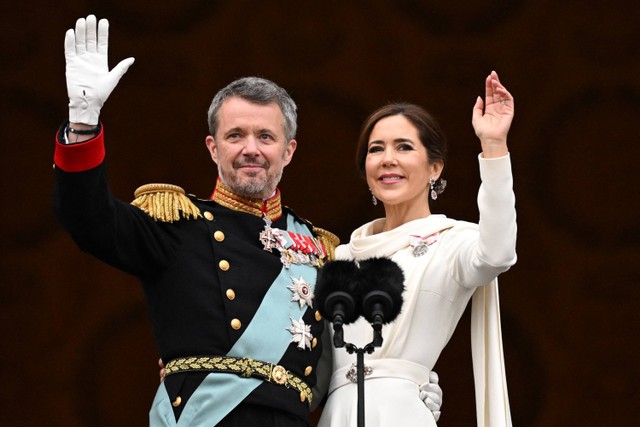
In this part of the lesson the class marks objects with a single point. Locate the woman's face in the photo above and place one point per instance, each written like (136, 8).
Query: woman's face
(397, 165)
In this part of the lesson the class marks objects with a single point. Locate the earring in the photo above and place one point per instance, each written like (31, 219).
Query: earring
(436, 188)
(373, 199)
(432, 184)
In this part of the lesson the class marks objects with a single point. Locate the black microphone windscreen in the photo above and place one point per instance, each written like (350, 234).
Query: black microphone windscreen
(384, 276)
(338, 276)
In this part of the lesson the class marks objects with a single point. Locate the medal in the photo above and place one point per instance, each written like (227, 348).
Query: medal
(302, 292)
(266, 237)
(294, 248)
(301, 334)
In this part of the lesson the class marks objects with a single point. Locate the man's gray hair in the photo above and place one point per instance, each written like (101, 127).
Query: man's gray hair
(259, 91)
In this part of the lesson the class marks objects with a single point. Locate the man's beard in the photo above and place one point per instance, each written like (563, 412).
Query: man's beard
(251, 186)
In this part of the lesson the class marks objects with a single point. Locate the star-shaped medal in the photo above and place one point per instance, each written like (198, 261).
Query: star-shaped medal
(301, 292)
(301, 334)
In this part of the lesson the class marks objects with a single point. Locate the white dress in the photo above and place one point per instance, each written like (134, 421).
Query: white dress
(462, 261)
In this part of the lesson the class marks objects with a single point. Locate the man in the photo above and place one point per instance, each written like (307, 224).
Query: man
(228, 280)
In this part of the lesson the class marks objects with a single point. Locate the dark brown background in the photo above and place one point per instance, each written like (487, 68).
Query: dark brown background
(76, 342)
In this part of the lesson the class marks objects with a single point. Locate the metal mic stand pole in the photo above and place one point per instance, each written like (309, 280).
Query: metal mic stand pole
(369, 348)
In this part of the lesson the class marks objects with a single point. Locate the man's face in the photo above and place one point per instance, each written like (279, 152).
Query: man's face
(249, 147)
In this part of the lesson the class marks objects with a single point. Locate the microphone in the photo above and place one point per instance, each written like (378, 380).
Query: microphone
(338, 296)
(382, 282)
(346, 290)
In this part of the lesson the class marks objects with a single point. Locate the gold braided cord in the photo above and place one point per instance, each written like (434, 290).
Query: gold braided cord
(165, 202)
(244, 367)
(328, 240)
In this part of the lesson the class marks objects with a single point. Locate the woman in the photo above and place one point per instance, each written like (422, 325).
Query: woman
(445, 262)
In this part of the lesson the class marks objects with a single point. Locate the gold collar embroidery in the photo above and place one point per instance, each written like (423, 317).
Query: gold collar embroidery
(272, 206)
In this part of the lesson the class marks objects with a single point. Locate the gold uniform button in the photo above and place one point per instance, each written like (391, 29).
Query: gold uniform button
(224, 265)
(236, 324)
(219, 236)
(231, 295)
(314, 343)
(318, 316)
(176, 402)
(208, 215)
(308, 371)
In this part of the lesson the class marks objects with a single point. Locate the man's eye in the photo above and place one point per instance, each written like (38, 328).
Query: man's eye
(265, 136)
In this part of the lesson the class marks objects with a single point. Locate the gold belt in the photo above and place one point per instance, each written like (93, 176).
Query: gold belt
(244, 367)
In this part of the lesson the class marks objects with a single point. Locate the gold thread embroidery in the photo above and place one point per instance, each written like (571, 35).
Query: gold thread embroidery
(227, 198)
(244, 367)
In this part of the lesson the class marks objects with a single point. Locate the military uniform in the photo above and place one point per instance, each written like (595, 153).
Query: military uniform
(228, 283)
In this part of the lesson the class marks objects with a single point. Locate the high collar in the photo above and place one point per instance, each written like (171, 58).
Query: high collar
(224, 196)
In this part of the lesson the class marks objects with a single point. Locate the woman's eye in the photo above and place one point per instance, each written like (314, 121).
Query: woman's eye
(405, 147)
(374, 149)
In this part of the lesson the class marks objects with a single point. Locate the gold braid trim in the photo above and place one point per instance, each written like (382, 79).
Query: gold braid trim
(328, 240)
(165, 202)
(224, 196)
(244, 367)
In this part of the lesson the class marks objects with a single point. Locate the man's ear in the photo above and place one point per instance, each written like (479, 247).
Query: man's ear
(211, 146)
(289, 150)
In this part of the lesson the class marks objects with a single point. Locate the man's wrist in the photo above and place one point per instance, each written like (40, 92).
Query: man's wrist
(80, 132)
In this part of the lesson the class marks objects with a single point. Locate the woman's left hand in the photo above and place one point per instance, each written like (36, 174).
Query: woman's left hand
(492, 117)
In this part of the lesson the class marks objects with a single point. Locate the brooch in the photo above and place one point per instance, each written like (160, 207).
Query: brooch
(352, 373)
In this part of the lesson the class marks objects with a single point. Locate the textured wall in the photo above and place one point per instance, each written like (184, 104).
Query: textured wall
(76, 343)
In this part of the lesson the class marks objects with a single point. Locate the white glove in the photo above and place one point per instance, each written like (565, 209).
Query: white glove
(89, 82)
(431, 395)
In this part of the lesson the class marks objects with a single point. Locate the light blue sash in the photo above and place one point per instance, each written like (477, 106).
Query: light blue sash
(266, 338)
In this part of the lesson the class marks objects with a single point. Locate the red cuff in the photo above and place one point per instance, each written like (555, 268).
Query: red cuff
(79, 157)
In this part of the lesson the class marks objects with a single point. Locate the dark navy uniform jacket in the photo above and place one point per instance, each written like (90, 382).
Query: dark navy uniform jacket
(203, 278)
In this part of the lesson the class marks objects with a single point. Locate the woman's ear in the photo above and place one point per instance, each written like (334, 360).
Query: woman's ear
(436, 168)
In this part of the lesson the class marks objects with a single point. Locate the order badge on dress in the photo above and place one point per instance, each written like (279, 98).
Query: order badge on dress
(421, 244)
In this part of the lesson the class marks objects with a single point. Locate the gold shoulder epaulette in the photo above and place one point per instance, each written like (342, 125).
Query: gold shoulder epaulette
(165, 202)
(328, 240)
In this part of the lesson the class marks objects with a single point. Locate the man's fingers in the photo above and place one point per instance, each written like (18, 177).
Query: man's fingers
(122, 67)
(433, 399)
(90, 36)
(103, 36)
(81, 29)
(70, 44)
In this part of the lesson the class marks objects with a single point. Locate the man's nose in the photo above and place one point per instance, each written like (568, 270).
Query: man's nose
(251, 146)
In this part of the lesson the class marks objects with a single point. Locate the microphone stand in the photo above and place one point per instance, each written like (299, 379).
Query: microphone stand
(338, 341)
